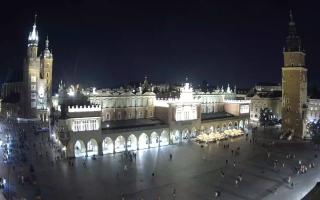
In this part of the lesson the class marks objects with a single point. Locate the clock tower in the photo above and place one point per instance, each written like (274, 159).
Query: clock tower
(294, 85)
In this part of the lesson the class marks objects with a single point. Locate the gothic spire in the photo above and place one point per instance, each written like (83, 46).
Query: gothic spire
(47, 43)
(33, 35)
(293, 41)
(47, 52)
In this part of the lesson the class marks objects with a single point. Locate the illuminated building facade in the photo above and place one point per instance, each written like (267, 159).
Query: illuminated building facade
(313, 112)
(87, 122)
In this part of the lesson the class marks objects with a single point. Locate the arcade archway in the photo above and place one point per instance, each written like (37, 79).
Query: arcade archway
(230, 126)
(92, 147)
(107, 145)
(120, 144)
(193, 133)
(164, 138)
(132, 143)
(241, 124)
(185, 134)
(143, 141)
(175, 137)
(79, 148)
(154, 140)
(236, 125)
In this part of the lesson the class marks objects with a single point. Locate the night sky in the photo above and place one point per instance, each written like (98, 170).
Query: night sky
(112, 42)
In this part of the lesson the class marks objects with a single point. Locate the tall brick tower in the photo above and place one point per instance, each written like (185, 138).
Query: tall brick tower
(46, 70)
(31, 74)
(294, 84)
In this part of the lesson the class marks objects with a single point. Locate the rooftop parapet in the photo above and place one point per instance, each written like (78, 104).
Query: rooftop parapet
(84, 108)
(238, 101)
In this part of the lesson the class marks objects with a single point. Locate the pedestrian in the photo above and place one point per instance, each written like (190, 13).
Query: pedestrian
(234, 164)
(122, 196)
(240, 177)
(222, 174)
(170, 156)
(152, 174)
(174, 192)
(226, 162)
(22, 180)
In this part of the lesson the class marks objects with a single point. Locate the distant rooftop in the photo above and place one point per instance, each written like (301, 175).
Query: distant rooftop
(267, 84)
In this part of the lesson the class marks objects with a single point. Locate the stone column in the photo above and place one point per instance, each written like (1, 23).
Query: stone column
(100, 151)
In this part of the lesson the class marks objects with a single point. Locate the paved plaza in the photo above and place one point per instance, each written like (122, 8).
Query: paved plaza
(194, 172)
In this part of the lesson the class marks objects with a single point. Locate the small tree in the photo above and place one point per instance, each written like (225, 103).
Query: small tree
(266, 117)
(313, 128)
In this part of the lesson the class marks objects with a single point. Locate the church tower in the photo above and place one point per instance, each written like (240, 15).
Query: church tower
(294, 84)
(46, 70)
(31, 74)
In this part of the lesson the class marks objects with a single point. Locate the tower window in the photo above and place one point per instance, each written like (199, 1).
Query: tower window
(33, 79)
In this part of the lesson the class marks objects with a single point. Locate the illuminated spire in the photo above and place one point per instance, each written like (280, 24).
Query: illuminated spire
(47, 52)
(33, 36)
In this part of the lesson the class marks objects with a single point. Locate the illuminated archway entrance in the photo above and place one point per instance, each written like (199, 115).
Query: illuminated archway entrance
(236, 125)
(241, 124)
(92, 147)
(107, 145)
(175, 137)
(143, 141)
(154, 140)
(79, 149)
(230, 126)
(218, 128)
(185, 135)
(164, 138)
(246, 123)
(132, 143)
(193, 133)
(120, 144)
(224, 127)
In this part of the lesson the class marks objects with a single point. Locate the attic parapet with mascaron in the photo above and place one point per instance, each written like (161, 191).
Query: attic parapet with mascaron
(82, 111)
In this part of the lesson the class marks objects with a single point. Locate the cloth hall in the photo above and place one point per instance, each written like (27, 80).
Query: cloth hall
(97, 122)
